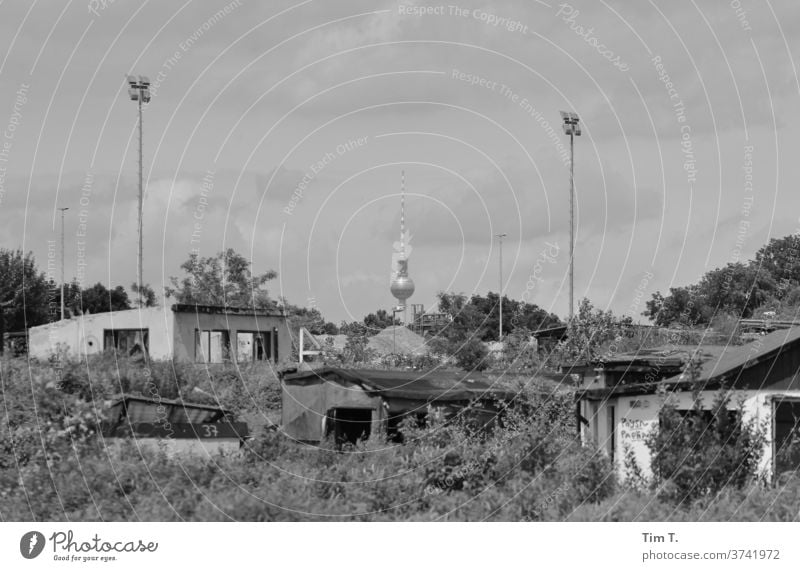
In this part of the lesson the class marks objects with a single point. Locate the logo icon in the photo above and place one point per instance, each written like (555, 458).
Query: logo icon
(31, 544)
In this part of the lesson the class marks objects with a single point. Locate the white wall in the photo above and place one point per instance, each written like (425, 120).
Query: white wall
(83, 335)
(636, 416)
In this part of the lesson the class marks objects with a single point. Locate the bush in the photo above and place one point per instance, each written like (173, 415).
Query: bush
(702, 452)
(472, 355)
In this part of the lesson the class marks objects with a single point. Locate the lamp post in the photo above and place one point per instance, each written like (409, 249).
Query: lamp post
(139, 90)
(62, 260)
(573, 129)
(397, 309)
(500, 328)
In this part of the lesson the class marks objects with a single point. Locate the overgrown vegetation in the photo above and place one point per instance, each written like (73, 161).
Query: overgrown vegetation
(530, 467)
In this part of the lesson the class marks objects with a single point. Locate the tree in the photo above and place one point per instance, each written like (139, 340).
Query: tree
(380, 320)
(461, 337)
(225, 279)
(594, 334)
(737, 289)
(515, 314)
(148, 295)
(27, 296)
(99, 299)
(780, 258)
(680, 307)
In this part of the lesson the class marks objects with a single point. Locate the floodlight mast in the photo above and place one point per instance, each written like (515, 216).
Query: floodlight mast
(573, 129)
(63, 209)
(500, 326)
(139, 90)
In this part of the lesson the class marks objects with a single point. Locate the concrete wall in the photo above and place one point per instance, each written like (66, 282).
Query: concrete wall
(636, 416)
(177, 447)
(169, 333)
(187, 323)
(304, 407)
(83, 335)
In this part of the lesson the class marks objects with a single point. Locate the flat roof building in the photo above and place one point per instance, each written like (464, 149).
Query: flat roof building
(188, 333)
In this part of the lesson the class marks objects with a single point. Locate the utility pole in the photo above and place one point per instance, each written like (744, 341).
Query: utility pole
(500, 329)
(62, 260)
(139, 91)
(573, 129)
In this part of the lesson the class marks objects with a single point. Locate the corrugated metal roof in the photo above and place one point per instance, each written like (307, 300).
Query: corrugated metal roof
(718, 363)
(735, 357)
(147, 409)
(439, 385)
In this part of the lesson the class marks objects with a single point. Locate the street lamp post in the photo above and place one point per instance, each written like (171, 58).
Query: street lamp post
(573, 129)
(397, 309)
(139, 90)
(500, 328)
(62, 260)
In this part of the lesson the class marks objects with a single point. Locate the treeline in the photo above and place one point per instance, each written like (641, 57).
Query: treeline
(770, 282)
(29, 297)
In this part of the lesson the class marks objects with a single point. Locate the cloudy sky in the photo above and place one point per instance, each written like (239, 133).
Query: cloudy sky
(281, 128)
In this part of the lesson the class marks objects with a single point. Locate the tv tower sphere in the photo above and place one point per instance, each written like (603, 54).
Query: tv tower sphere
(402, 286)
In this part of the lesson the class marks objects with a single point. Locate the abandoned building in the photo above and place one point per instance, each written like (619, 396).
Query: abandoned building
(348, 405)
(188, 333)
(173, 426)
(619, 401)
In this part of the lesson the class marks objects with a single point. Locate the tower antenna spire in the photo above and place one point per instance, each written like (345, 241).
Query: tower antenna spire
(402, 286)
(403, 213)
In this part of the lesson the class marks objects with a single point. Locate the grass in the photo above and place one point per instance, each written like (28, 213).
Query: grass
(55, 466)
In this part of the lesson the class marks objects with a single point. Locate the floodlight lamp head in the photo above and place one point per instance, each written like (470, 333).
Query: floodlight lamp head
(144, 80)
(134, 93)
(132, 80)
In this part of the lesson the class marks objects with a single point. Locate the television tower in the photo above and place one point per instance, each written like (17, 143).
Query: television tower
(402, 286)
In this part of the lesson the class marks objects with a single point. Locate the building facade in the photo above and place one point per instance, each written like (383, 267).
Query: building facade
(620, 399)
(187, 333)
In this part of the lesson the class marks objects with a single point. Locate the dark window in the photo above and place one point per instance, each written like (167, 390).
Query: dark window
(253, 346)
(348, 425)
(128, 341)
(787, 436)
(212, 346)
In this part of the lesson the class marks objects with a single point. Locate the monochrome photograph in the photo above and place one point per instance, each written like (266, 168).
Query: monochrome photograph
(352, 262)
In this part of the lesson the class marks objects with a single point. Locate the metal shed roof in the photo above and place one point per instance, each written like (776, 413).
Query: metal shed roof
(439, 385)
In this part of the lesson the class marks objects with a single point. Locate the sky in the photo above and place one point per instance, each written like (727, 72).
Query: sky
(281, 129)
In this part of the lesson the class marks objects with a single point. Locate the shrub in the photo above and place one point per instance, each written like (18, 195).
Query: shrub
(702, 452)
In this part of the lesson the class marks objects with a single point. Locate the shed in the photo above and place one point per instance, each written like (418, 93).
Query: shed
(352, 404)
(618, 406)
(173, 425)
